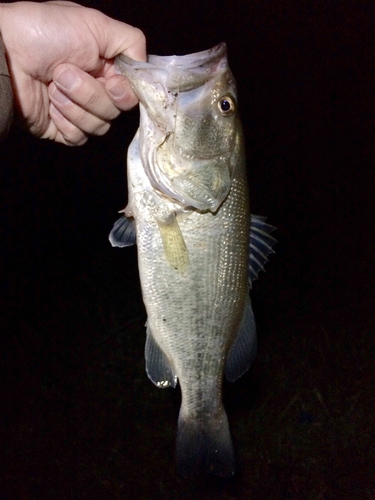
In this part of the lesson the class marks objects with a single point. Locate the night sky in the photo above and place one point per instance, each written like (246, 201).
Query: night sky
(81, 418)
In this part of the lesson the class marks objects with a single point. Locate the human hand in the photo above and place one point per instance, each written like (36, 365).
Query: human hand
(60, 58)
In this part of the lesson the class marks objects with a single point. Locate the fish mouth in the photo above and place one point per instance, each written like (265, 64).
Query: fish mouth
(178, 72)
(190, 61)
(202, 63)
(183, 168)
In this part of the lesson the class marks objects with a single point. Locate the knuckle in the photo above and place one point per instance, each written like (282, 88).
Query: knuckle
(91, 100)
(65, 131)
(140, 36)
(80, 117)
(89, 123)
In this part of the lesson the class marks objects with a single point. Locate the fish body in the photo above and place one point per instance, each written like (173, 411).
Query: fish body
(188, 210)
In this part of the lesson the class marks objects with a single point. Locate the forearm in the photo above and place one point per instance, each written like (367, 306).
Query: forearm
(6, 94)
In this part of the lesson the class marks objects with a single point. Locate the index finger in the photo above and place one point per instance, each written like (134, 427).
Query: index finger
(115, 37)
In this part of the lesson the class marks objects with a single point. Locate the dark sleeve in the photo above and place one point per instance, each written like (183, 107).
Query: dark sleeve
(6, 95)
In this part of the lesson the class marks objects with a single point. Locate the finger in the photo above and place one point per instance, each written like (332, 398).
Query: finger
(115, 37)
(63, 131)
(76, 115)
(120, 92)
(135, 47)
(85, 91)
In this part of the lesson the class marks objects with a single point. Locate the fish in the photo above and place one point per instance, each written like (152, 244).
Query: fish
(188, 214)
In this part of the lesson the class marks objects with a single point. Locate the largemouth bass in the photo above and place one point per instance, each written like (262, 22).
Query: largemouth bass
(188, 212)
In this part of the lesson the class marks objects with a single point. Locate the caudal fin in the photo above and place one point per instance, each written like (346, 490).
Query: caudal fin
(205, 447)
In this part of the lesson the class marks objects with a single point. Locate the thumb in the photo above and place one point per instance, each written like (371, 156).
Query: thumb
(115, 37)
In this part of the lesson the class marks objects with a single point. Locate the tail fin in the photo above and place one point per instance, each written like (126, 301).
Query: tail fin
(205, 447)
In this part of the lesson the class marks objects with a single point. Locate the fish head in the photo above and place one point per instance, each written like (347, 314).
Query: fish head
(189, 125)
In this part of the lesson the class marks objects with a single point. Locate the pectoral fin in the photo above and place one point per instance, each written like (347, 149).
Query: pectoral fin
(175, 249)
(123, 233)
(158, 367)
(244, 348)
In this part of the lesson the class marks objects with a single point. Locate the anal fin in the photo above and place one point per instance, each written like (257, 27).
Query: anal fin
(158, 367)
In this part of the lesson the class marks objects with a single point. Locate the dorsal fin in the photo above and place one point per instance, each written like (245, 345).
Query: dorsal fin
(260, 246)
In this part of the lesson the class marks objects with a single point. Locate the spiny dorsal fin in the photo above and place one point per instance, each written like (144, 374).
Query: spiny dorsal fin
(260, 246)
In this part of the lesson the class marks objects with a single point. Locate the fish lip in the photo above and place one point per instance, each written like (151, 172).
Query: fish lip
(187, 62)
(174, 74)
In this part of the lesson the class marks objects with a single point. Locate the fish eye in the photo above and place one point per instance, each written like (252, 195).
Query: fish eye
(226, 106)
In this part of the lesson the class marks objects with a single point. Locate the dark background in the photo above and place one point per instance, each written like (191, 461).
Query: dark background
(80, 419)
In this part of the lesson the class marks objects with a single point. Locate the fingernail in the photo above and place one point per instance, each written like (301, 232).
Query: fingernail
(117, 91)
(67, 79)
